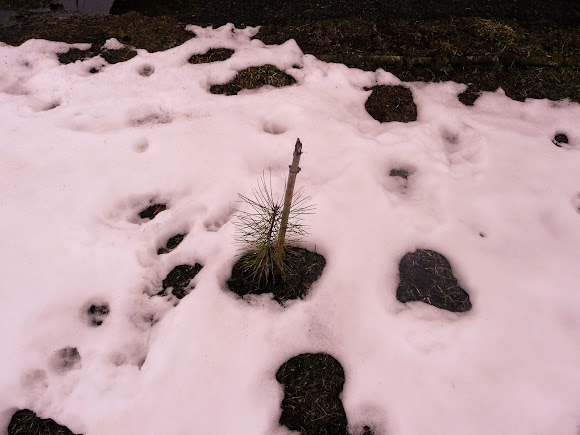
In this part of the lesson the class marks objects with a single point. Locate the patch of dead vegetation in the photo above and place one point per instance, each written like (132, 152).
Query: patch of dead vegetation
(179, 279)
(254, 77)
(312, 386)
(306, 268)
(149, 33)
(212, 55)
(25, 422)
(391, 103)
(426, 276)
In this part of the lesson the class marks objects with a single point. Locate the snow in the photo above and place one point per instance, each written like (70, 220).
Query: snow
(81, 154)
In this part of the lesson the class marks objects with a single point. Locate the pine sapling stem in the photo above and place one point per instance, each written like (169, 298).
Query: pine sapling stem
(294, 169)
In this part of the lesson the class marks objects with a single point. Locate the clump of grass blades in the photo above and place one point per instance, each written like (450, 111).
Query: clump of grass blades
(258, 230)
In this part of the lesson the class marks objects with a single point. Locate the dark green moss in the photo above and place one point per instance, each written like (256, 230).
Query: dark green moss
(391, 103)
(26, 422)
(426, 276)
(254, 77)
(305, 267)
(312, 386)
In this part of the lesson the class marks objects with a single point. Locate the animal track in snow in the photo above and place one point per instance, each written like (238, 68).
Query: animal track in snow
(152, 211)
(65, 360)
(179, 280)
(146, 70)
(398, 180)
(172, 243)
(94, 312)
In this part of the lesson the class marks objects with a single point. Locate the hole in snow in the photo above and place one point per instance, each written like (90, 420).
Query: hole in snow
(576, 202)
(171, 244)
(146, 70)
(141, 145)
(35, 380)
(450, 138)
(152, 211)
(426, 276)
(66, 359)
(152, 118)
(95, 311)
(312, 386)
(273, 127)
(144, 321)
(219, 218)
(96, 69)
(403, 173)
(179, 279)
(560, 139)
(398, 181)
(51, 105)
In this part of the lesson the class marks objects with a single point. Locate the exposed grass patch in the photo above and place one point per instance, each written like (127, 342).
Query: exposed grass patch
(431, 37)
(391, 103)
(312, 385)
(179, 279)
(426, 276)
(254, 77)
(150, 33)
(528, 59)
(116, 56)
(306, 267)
(110, 56)
(538, 59)
(26, 422)
(212, 55)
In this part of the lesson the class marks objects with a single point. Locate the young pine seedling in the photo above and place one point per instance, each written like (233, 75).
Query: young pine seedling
(268, 229)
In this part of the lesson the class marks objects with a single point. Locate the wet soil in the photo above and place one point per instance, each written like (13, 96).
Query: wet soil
(172, 243)
(178, 280)
(305, 268)
(151, 211)
(254, 77)
(426, 276)
(531, 58)
(212, 55)
(391, 103)
(26, 422)
(312, 386)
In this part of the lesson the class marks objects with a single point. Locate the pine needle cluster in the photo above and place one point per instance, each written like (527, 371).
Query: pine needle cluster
(258, 232)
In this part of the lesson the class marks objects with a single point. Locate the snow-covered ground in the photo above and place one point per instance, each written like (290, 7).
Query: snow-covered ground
(81, 154)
